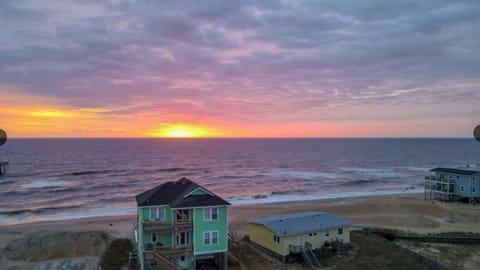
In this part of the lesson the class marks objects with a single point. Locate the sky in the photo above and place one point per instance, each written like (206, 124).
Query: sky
(239, 68)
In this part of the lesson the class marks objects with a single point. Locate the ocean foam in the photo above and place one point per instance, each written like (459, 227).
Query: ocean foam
(99, 212)
(374, 172)
(44, 184)
(292, 198)
(303, 175)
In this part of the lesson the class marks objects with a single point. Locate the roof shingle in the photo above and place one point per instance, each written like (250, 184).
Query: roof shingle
(173, 194)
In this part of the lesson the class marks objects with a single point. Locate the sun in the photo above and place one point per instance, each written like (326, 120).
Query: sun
(183, 131)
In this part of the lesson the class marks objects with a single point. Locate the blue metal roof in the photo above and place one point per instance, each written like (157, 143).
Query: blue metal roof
(299, 223)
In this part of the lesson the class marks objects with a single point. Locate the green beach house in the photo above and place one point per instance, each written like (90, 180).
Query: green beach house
(181, 225)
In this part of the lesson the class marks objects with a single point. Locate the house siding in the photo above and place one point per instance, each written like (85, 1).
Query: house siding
(165, 239)
(200, 226)
(264, 237)
(318, 240)
(462, 180)
(198, 192)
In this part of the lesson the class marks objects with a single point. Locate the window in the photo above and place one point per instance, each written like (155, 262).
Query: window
(210, 238)
(458, 177)
(473, 178)
(157, 213)
(340, 231)
(154, 237)
(182, 258)
(214, 238)
(312, 234)
(276, 238)
(210, 214)
(206, 238)
(327, 233)
(473, 190)
(462, 188)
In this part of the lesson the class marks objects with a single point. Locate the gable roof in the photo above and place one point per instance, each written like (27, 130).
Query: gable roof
(299, 223)
(175, 194)
(455, 171)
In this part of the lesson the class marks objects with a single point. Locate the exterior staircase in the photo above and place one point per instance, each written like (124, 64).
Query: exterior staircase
(165, 262)
(308, 255)
(132, 260)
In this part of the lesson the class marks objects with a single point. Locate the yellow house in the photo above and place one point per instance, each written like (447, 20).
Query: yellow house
(306, 232)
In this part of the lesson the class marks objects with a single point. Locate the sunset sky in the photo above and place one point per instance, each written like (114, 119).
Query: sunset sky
(239, 68)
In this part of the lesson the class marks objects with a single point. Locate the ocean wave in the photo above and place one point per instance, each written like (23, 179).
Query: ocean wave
(361, 182)
(6, 182)
(303, 175)
(389, 173)
(114, 199)
(87, 173)
(240, 176)
(97, 212)
(415, 169)
(173, 169)
(293, 191)
(45, 184)
(18, 212)
(255, 199)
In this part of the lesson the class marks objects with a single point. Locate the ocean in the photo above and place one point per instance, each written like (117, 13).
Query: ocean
(54, 179)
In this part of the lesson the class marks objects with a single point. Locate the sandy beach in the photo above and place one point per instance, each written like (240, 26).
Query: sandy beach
(407, 212)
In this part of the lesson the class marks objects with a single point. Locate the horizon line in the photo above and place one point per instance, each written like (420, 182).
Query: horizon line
(208, 137)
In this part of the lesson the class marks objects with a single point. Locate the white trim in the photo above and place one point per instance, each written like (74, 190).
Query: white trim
(211, 252)
(150, 206)
(210, 233)
(206, 206)
(193, 234)
(206, 191)
(226, 227)
(210, 218)
(158, 211)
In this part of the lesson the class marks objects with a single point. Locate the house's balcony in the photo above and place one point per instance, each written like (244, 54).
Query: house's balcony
(157, 226)
(172, 250)
(183, 225)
